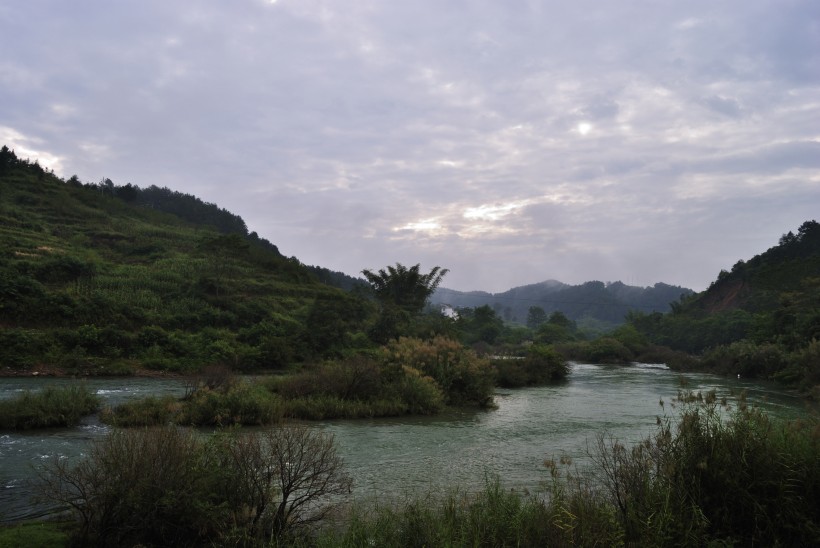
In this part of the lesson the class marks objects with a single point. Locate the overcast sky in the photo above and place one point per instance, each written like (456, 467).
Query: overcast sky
(509, 141)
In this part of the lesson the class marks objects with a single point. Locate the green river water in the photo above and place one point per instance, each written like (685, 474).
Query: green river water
(398, 457)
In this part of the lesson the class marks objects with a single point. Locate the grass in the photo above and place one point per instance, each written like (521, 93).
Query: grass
(44, 534)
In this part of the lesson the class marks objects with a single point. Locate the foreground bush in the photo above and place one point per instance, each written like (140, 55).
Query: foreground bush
(739, 479)
(34, 535)
(52, 406)
(170, 487)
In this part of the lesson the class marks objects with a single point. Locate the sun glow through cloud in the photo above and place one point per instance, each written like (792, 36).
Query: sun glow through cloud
(426, 225)
(493, 212)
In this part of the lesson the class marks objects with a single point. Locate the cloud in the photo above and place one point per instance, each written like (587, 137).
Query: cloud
(510, 142)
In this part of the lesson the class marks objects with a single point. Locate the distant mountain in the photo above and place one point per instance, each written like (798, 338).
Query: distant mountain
(607, 302)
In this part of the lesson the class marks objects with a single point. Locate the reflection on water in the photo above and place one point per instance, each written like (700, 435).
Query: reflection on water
(392, 457)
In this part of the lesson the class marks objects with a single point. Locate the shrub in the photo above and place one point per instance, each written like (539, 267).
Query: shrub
(492, 517)
(243, 403)
(463, 377)
(541, 365)
(170, 487)
(355, 388)
(51, 406)
(747, 359)
(420, 393)
(674, 359)
(21, 348)
(149, 411)
(603, 350)
(738, 480)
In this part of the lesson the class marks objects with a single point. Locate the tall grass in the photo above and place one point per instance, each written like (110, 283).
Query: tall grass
(52, 406)
(494, 516)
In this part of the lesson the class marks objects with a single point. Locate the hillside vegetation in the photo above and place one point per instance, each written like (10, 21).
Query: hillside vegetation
(761, 319)
(96, 278)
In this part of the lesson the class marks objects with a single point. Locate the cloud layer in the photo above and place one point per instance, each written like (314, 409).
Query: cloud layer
(510, 142)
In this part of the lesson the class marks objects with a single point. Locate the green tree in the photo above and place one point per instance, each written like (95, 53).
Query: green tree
(535, 317)
(402, 292)
(480, 324)
(559, 318)
(405, 288)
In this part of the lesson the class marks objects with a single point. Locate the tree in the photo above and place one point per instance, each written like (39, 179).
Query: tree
(480, 324)
(7, 160)
(308, 469)
(405, 288)
(535, 317)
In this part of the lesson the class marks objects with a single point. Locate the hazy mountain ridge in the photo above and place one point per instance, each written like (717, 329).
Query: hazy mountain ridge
(608, 302)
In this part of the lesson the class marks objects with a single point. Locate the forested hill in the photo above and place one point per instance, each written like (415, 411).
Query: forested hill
(790, 270)
(106, 278)
(761, 319)
(605, 302)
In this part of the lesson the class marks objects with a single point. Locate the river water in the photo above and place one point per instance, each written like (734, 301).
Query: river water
(397, 457)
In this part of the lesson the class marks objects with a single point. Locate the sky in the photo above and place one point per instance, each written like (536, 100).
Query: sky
(510, 141)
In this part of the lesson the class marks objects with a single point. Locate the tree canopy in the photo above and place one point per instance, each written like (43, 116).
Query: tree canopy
(403, 287)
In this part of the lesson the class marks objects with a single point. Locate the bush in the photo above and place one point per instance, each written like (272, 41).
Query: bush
(603, 350)
(707, 478)
(674, 359)
(52, 406)
(169, 487)
(420, 393)
(355, 388)
(243, 403)
(150, 411)
(747, 359)
(541, 365)
(33, 535)
(463, 377)
(21, 348)
(492, 517)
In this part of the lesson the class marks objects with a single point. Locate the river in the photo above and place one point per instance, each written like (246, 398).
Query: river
(394, 457)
